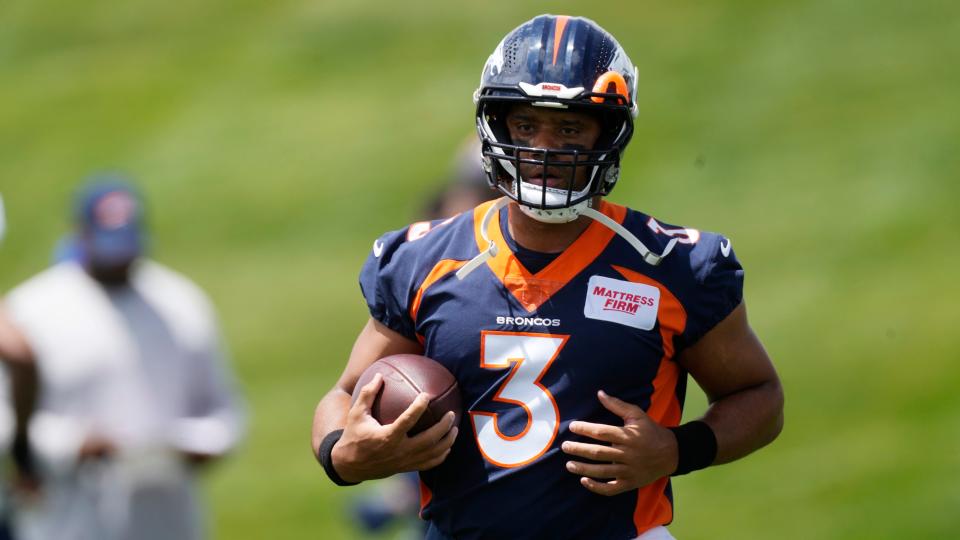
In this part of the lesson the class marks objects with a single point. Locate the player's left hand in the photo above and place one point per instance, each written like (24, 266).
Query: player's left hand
(636, 454)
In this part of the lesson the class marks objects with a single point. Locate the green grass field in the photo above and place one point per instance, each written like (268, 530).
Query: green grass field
(276, 140)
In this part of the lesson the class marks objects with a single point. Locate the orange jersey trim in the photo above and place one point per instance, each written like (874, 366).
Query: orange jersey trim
(439, 270)
(664, 406)
(533, 290)
(557, 34)
(425, 497)
(653, 507)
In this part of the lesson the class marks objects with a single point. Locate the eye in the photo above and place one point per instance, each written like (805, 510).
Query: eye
(523, 127)
(569, 131)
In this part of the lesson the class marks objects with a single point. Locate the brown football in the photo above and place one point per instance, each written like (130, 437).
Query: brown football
(404, 377)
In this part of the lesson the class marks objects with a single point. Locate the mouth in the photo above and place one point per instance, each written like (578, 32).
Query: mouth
(551, 181)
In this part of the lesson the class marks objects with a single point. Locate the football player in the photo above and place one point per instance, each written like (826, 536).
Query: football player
(570, 323)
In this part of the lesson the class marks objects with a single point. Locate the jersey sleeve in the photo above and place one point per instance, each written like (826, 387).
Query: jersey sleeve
(386, 281)
(719, 285)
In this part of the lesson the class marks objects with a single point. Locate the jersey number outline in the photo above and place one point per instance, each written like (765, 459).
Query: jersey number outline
(683, 235)
(531, 354)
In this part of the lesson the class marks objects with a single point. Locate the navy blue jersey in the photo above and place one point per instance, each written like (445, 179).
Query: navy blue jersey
(530, 351)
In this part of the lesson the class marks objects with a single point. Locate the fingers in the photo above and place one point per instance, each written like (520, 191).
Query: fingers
(621, 408)
(434, 434)
(592, 471)
(442, 447)
(368, 394)
(447, 441)
(596, 452)
(601, 432)
(433, 452)
(409, 417)
(595, 470)
(614, 487)
(434, 462)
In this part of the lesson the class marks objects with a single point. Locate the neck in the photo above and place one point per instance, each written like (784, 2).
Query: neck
(544, 237)
(110, 276)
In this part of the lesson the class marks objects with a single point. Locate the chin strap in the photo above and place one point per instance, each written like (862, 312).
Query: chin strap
(649, 257)
(491, 250)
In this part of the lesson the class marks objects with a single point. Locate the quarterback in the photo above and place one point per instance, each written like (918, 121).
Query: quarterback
(570, 322)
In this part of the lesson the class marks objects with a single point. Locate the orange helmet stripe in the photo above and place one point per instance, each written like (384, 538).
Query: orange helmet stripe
(603, 86)
(557, 34)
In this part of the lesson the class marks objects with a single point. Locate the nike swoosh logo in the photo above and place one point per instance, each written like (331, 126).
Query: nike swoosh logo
(725, 248)
(377, 248)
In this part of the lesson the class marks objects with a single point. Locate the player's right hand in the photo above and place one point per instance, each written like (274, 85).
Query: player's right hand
(369, 450)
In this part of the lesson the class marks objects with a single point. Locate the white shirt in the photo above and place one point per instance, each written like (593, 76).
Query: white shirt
(141, 365)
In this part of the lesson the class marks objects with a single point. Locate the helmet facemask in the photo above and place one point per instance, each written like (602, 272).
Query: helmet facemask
(578, 174)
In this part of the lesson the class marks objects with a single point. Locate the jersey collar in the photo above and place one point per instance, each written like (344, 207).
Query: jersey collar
(533, 290)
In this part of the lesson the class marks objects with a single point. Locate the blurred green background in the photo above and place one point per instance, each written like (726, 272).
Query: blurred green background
(275, 140)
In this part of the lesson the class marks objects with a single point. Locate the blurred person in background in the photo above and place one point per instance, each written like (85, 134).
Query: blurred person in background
(466, 185)
(17, 393)
(136, 390)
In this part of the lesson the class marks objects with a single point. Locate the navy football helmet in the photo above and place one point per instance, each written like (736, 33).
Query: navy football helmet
(566, 63)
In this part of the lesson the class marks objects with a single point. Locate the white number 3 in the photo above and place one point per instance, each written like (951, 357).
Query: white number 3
(531, 356)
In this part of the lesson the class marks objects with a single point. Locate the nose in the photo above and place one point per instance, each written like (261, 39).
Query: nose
(545, 138)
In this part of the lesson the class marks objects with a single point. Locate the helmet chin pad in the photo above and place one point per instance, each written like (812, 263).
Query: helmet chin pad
(554, 200)
(555, 215)
(559, 215)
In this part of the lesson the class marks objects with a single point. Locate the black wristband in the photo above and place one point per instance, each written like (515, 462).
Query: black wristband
(696, 447)
(325, 457)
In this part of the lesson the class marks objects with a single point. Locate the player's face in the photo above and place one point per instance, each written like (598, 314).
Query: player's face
(107, 269)
(554, 129)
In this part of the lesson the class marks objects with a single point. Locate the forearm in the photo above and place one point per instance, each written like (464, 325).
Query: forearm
(24, 379)
(746, 420)
(19, 359)
(330, 414)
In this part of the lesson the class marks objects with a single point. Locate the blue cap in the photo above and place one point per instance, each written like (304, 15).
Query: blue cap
(109, 219)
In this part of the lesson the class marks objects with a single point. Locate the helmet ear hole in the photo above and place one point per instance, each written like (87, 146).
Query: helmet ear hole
(495, 115)
(503, 176)
(487, 164)
(610, 177)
